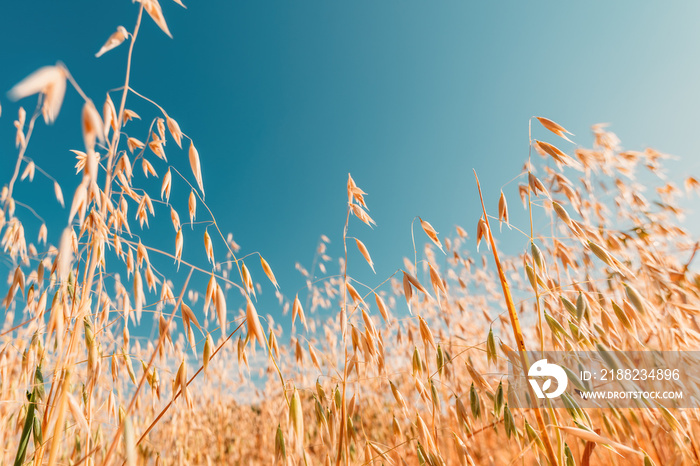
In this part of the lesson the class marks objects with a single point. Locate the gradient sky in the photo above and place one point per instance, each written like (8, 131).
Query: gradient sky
(284, 98)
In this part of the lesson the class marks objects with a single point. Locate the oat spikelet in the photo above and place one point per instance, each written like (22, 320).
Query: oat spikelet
(153, 9)
(562, 213)
(362, 215)
(555, 128)
(65, 254)
(133, 143)
(432, 234)
(43, 232)
(109, 115)
(192, 206)
(407, 291)
(365, 253)
(174, 129)
(296, 416)
(268, 271)
(383, 310)
(175, 217)
(208, 247)
(114, 41)
(208, 350)
(49, 81)
(220, 304)
(29, 171)
(166, 185)
(188, 315)
(356, 298)
(77, 413)
(59, 193)
(297, 310)
(502, 210)
(196, 166)
(481, 232)
(178, 247)
(247, 278)
(253, 322)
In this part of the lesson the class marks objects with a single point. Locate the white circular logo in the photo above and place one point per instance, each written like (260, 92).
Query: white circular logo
(542, 368)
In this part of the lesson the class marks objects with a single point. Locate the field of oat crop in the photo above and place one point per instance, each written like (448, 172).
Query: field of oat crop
(137, 331)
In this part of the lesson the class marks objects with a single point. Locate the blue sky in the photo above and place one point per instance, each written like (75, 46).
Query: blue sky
(283, 99)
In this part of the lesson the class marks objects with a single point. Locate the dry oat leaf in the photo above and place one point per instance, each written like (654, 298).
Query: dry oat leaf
(114, 41)
(432, 234)
(154, 10)
(365, 253)
(49, 81)
(555, 128)
(595, 438)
